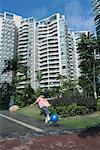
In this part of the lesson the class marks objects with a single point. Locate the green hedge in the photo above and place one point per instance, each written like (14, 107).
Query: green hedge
(69, 110)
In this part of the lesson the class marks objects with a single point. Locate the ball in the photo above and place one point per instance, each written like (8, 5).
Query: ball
(54, 117)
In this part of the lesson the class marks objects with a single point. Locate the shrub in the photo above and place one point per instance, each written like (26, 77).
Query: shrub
(88, 102)
(98, 104)
(69, 110)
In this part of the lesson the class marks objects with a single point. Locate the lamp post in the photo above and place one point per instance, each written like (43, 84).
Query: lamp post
(94, 83)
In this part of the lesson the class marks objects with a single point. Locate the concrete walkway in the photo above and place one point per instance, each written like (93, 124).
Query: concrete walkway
(12, 123)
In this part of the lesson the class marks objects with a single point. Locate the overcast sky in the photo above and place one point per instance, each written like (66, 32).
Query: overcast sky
(78, 13)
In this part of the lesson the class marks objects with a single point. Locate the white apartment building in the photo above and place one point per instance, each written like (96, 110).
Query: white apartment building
(9, 24)
(53, 45)
(71, 57)
(76, 36)
(26, 46)
(44, 45)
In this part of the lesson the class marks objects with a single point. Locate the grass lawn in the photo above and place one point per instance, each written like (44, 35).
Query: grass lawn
(76, 122)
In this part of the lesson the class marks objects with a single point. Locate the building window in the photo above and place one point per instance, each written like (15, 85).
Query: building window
(62, 53)
(63, 67)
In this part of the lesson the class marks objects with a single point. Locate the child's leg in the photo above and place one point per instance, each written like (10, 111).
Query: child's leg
(48, 117)
(46, 113)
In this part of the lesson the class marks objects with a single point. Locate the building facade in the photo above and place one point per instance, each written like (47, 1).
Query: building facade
(26, 46)
(44, 45)
(53, 50)
(96, 12)
(9, 24)
(76, 37)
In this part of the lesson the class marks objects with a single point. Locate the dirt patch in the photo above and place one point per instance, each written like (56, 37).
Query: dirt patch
(70, 141)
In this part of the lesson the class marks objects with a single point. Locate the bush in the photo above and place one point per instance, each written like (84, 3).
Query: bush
(69, 110)
(98, 104)
(5, 93)
(88, 102)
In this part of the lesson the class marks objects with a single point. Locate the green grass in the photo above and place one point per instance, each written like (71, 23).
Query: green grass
(74, 122)
(32, 111)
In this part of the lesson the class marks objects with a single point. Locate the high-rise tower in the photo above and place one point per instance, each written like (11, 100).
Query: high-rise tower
(9, 24)
(26, 50)
(53, 45)
(96, 11)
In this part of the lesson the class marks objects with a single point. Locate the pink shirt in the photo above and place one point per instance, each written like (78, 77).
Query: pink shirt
(42, 102)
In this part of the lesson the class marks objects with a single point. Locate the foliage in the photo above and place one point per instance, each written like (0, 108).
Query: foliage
(70, 110)
(67, 87)
(84, 121)
(89, 66)
(98, 104)
(81, 102)
(14, 66)
(38, 92)
(5, 93)
(25, 96)
(38, 77)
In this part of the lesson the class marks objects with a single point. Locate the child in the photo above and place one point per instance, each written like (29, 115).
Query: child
(43, 105)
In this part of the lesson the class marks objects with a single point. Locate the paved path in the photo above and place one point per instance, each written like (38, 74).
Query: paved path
(12, 124)
(19, 132)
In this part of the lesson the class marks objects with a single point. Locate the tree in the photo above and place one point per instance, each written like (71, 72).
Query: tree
(13, 65)
(89, 66)
(67, 87)
(5, 92)
(39, 77)
(25, 96)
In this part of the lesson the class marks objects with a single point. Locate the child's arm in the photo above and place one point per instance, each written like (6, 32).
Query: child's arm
(34, 103)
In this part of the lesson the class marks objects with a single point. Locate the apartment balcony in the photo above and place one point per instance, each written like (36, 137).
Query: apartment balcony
(54, 71)
(53, 35)
(53, 38)
(23, 39)
(42, 43)
(43, 68)
(43, 63)
(54, 67)
(53, 62)
(23, 42)
(44, 81)
(43, 48)
(23, 61)
(53, 75)
(22, 54)
(43, 51)
(23, 31)
(20, 87)
(43, 40)
(43, 55)
(55, 54)
(52, 26)
(42, 32)
(53, 41)
(25, 34)
(52, 23)
(22, 50)
(53, 30)
(53, 46)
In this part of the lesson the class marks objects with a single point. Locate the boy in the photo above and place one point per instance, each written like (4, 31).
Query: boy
(43, 105)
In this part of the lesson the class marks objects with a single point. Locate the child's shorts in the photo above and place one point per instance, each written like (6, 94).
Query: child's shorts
(46, 111)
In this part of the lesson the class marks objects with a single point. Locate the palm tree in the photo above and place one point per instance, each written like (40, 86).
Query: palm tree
(14, 66)
(88, 45)
(66, 85)
(39, 77)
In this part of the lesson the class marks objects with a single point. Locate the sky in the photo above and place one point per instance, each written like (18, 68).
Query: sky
(78, 13)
